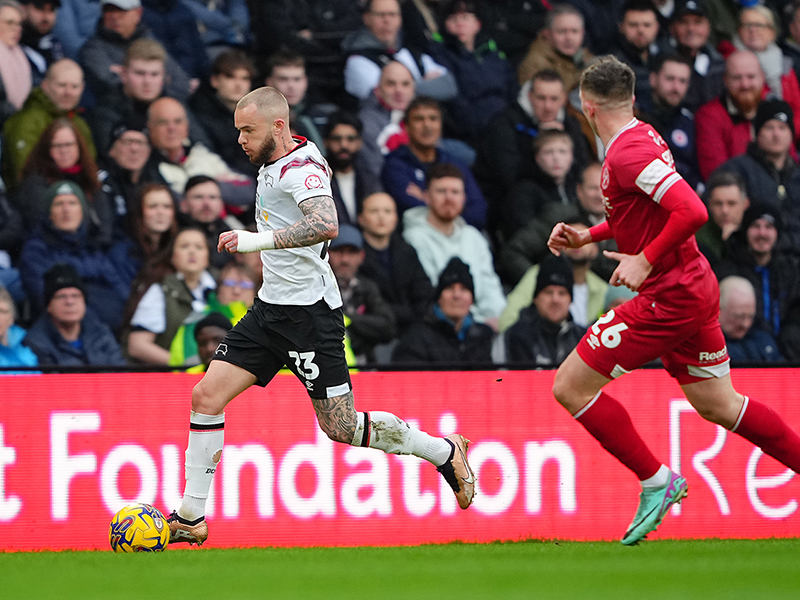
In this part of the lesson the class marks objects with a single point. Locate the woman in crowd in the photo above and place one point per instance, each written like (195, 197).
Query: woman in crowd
(169, 300)
(12, 352)
(62, 154)
(152, 227)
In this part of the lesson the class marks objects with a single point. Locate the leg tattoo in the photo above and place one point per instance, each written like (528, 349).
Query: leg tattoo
(337, 417)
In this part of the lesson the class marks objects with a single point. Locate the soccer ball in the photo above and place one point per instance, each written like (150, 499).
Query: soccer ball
(138, 528)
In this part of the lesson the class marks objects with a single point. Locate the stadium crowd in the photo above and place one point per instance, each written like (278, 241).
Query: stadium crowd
(454, 133)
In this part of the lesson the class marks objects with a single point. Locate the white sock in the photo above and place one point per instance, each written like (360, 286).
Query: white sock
(203, 452)
(660, 479)
(391, 434)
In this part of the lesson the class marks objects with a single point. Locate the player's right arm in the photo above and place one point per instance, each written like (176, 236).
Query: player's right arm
(319, 224)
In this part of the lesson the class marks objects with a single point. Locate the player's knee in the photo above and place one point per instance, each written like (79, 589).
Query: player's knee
(202, 400)
(341, 433)
(562, 389)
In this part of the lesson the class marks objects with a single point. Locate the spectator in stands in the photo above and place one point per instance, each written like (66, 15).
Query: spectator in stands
(438, 232)
(41, 45)
(213, 103)
(513, 25)
(12, 234)
(201, 206)
(76, 23)
(58, 96)
(12, 352)
(638, 45)
(127, 167)
(168, 126)
(174, 25)
(757, 32)
(63, 153)
(16, 79)
(770, 173)
(506, 154)
(286, 72)
(616, 295)
(601, 20)
(63, 236)
(208, 335)
(588, 294)
(790, 45)
(666, 111)
(223, 25)
(381, 40)
(168, 300)
(485, 80)
(549, 181)
(382, 112)
(404, 169)
(391, 262)
(722, 128)
(103, 54)
(745, 338)
(559, 46)
(152, 225)
(351, 181)
(68, 334)
(545, 333)
(528, 246)
(691, 30)
(726, 198)
(368, 317)
(448, 332)
(753, 254)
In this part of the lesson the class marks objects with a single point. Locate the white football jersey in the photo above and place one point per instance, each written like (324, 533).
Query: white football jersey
(299, 276)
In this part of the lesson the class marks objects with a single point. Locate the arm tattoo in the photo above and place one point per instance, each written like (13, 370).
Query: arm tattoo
(337, 417)
(319, 224)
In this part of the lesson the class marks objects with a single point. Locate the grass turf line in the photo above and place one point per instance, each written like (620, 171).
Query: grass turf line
(703, 569)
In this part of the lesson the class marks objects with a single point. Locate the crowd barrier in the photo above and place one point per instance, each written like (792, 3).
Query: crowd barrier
(74, 448)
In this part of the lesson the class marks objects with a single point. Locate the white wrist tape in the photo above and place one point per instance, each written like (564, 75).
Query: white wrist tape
(253, 242)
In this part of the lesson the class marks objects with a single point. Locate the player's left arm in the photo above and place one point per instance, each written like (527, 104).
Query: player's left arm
(319, 224)
(687, 213)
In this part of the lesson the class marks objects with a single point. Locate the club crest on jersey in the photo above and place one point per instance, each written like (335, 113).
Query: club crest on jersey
(313, 182)
(604, 181)
(269, 180)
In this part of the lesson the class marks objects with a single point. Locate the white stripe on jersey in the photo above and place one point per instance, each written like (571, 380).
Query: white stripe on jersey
(652, 175)
(664, 187)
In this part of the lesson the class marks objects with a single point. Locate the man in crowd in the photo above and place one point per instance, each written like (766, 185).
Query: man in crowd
(57, 96)
(726, 198)
(404, 169)
(351, 181)
(638, 45)
(745, 338)
(40, 44)
(66, 334)
(201, 205)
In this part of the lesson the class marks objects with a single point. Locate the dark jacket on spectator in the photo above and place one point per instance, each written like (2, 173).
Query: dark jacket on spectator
(513, 24)
(756, 346)
(174, 25)
(371, 320)
(706, 85)
(486, 84)
(122, 192)
(534, 340)
(676, 126)
(780, 189)
(105, 291)
(530, 196)
(366, 184)
(108, 48)
(401, 167)
(400, 278)
(434, 340)
(98, 346)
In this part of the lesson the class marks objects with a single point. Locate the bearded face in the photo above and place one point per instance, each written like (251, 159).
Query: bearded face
(265, 152)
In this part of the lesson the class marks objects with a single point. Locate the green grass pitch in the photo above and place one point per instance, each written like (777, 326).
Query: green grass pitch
(703, 569)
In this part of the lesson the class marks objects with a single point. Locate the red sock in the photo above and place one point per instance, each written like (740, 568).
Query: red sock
(609, 422)
(762, 426)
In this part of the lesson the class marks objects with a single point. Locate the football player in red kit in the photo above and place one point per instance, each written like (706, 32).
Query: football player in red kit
(652, 213)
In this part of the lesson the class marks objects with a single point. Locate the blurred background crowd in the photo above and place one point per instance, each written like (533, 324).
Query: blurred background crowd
(455, 137)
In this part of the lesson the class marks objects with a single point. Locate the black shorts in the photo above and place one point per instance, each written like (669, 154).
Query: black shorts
(309, 340)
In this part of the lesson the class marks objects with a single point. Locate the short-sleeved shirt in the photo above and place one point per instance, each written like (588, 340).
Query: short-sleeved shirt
(294, 276)
(675, 315)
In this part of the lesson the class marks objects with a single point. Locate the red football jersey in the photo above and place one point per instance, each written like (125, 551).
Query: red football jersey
(638, 170)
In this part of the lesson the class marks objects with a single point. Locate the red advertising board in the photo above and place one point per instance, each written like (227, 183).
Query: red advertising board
(74, 448)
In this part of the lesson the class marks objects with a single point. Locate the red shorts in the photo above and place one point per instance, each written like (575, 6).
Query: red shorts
(684, 333)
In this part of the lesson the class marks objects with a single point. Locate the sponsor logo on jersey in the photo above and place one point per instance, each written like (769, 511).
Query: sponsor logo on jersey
(713, 356)
(313, 182)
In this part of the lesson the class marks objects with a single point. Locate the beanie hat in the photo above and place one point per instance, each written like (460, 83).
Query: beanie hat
(61, 276)
(349, 235)
(213, 319)
(773, 109)
(554, 270)
(65, 186)
(760, 210)
(456, 271)
(130, 123)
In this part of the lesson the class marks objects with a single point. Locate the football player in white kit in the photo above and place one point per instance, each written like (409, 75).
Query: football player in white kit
(296, 321)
